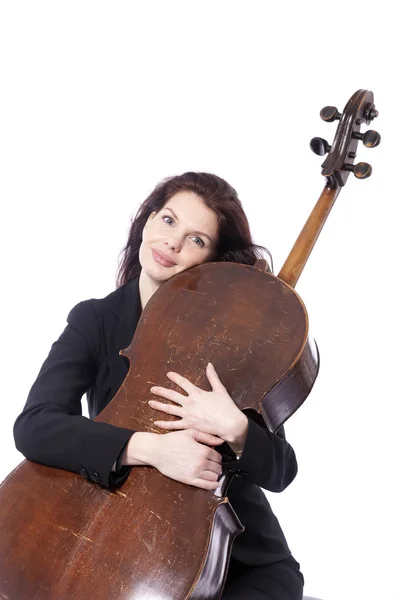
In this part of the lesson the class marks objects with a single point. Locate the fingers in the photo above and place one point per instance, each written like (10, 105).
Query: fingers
(205, 485)
(213, 470)
(168, 394)
(210, 475)
(213, 378)
(184, 383)
(170, 425)
(170, 409)
(206, 438)
(187, 457)
(208, 478)
(214, 456)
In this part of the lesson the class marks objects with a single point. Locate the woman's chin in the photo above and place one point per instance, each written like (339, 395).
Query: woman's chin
(159, 274)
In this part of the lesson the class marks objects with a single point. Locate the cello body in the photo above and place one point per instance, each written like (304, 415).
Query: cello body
(64, 537)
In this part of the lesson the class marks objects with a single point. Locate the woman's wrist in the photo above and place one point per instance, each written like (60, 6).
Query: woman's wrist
(237, 435)
(140, 449)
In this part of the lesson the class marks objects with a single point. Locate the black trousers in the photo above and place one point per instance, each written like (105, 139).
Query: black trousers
(280, 581)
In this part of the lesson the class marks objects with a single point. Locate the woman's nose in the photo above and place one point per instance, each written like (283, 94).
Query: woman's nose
(173, 243)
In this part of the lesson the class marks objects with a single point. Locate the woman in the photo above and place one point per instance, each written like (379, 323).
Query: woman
(187, 220)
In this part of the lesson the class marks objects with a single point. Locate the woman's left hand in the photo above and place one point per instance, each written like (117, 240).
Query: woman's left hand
(211, 412)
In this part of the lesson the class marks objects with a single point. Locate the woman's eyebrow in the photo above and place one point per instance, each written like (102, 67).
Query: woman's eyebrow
(197, 232)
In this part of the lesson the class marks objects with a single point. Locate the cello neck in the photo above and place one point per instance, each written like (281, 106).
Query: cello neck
(298, 256)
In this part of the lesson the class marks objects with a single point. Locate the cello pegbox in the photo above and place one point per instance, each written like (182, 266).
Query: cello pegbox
(338, 163)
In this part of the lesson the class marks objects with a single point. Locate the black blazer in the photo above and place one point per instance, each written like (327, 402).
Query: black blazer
(51, 429)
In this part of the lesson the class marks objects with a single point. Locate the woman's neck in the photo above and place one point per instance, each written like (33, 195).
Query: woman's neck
(147, 287)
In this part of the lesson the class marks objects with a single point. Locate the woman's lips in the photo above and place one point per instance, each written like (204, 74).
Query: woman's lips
(162, 260)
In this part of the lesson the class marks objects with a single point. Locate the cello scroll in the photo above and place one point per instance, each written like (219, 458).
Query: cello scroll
(339, 163)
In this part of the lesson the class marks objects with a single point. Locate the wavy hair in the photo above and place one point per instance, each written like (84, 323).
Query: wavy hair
(234, 238)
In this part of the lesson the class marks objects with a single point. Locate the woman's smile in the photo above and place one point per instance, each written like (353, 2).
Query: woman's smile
(163, 260)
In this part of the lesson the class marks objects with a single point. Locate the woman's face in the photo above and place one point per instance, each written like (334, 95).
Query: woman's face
(182, 234)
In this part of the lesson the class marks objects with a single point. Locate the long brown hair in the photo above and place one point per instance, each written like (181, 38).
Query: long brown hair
(234, 237)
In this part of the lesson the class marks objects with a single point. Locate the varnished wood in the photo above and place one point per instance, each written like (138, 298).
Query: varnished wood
(359, 109)
(152, 537)
(298, 256)
(336, 167)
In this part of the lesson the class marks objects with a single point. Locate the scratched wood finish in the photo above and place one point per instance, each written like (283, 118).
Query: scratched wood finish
(63, 537)
(251, 325)
(66, 538)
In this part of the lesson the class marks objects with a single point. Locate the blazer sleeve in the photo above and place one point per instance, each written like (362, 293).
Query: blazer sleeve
(51, 429)
(267, 460)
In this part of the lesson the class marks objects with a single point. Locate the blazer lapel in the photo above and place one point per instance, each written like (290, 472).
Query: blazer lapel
(121, 333)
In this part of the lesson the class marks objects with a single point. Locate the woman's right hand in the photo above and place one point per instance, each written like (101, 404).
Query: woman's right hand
(182, 455)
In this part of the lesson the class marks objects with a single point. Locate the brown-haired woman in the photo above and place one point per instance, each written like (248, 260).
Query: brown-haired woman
(187, 220)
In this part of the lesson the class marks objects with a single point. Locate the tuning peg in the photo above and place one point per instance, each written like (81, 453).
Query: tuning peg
(362, 170)
(330, 114)
(370, 138)
(370, 113)
(319, 146)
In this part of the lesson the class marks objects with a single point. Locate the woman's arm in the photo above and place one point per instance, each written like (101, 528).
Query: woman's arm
(187, 456)
(267, 459)
(51, 429)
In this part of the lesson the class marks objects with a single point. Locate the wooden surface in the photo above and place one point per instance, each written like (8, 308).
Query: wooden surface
(63, 537)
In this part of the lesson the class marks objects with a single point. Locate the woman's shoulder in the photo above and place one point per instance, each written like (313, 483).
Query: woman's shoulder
(119, 304)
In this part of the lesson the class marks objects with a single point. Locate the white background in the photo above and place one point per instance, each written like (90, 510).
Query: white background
(101, 100)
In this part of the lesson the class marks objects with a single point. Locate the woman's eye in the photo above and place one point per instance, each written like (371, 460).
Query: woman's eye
(170, 221)
(198, 241)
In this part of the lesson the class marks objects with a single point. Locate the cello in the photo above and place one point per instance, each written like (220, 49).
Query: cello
(156, 538)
